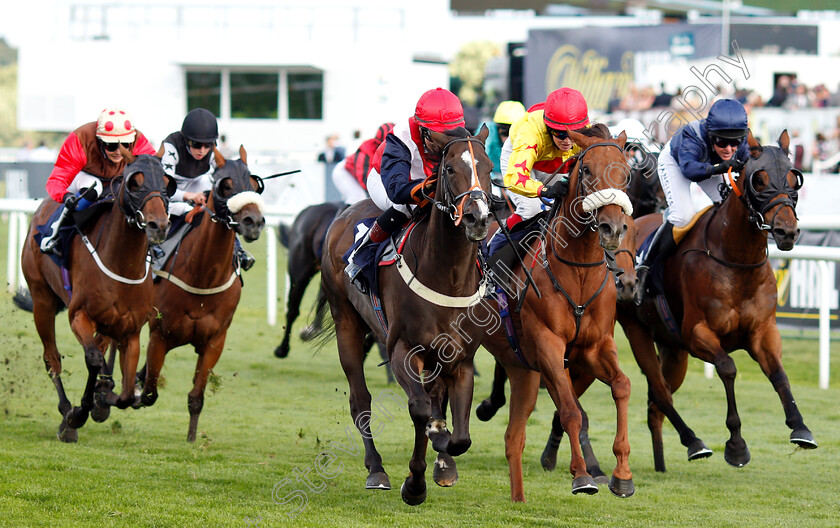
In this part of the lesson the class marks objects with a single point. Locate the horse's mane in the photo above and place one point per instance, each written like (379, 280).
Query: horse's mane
(598, 130)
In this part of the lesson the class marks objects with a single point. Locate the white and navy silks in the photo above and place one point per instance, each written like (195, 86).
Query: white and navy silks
(688, 157)
(191, 175)
(401, 170)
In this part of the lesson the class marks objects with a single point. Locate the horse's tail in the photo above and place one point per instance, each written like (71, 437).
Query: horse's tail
(283, 235)
(23, 299)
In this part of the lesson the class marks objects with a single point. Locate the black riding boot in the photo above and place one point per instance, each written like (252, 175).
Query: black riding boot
(246, 261)
(78, 202)
(661, 247)
(386, 225)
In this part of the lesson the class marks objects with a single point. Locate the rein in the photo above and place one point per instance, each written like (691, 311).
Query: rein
(447, 205)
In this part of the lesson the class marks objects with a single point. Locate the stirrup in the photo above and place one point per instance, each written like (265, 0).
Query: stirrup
(50, 246)
(352, 270)
(642, 271)
(246, 261)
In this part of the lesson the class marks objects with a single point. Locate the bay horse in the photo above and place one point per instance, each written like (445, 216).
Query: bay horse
(304, 240)
(111, 296)
(721, 292)
(197, 292)
(570, 325)
(422, 298)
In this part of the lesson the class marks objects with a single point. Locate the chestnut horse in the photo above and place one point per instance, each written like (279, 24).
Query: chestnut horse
(722, 293)
(111, 296)
(570, 325)
(201, 285)
(422, 298)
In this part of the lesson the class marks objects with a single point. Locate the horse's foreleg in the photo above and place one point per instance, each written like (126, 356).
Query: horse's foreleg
(767, 351)
(155, 356)
(85, 330)
(706, 346)
(524, 387)
(350, 332)
(407, 370)
(607, 370)
(208, 356)
(659, 395)
(557, 382)
(129, 356)
(105, 385)
(460, 400)
(487, 408)
(445, 472)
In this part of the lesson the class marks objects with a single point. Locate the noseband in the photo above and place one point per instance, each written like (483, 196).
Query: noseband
(452, 203)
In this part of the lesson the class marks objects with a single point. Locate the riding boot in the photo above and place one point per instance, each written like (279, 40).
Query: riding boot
(82, 199)
(384, 226)
(661, 247)
(246, 261)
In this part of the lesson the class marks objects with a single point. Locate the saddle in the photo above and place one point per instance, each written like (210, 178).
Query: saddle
(66, 233)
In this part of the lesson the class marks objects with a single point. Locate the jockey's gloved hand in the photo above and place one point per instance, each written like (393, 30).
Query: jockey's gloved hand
(724, 166)
(70, 200)
(557, 189)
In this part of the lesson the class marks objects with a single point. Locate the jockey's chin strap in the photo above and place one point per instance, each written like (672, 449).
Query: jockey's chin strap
(452, 203)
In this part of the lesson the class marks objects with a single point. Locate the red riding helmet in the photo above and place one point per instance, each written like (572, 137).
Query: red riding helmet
(439, 110)
(565, 109)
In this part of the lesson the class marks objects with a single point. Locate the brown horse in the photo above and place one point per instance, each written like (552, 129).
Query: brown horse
(722, 293)
(111, 295)
(570, 325)
(201, 286)
(423, 310)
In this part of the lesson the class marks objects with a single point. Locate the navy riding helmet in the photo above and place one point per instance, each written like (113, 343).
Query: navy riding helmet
(200, 125)
(728, 119)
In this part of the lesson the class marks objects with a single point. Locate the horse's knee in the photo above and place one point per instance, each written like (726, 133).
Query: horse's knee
(420, 410)
(621, 388)
(725, 367)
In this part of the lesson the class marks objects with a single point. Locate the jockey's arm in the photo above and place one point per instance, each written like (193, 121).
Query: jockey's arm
(396, 171)
(70, 162)
(522, 158)
(690, 152)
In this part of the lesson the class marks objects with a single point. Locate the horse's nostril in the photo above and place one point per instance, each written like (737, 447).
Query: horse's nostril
(152, 225)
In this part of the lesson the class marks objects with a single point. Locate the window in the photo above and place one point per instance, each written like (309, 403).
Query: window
(254, 95)
(306, 91)
(204, 90)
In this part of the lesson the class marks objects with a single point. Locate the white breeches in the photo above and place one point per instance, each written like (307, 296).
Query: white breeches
(380, 197)
(677, 189)
(347, 185)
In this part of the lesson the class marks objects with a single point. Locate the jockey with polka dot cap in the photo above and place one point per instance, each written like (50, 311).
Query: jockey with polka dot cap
(89, 157)
(700, 152)
(539, 144)
(404, 160)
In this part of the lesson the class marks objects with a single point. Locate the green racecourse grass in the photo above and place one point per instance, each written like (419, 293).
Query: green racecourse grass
(268, 417)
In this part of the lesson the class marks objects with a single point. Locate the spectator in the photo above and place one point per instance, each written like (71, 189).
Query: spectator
(334, 152)
(781, 92)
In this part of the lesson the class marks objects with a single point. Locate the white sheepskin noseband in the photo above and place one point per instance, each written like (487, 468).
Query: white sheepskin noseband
(240, 200)
(604, 197)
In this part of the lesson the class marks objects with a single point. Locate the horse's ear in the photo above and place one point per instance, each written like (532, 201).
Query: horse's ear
(243, 156)
(755, 148)
(581, 140)
(622, 139)
(220, 160)
(128, 156)
(160, 152)
(483, 133)
(784, 141)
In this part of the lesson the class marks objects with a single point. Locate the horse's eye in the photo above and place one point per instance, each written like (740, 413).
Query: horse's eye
(799, 180)
(757, 182)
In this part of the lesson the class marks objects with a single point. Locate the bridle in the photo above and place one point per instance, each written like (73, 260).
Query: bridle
(452, 203)
(131, 203)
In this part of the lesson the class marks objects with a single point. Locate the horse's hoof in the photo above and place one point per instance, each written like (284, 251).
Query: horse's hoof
(66, 433)
(621, 487)
(485, 411)
(584, 484)
(100, 414)
(548, 459)
(698, 450)
(309, 333)
(445, 472)
(409, 498)
(378, 481)
(803, 438)
(736, 457)
(281, 351)
(76, 417)
(597, 475)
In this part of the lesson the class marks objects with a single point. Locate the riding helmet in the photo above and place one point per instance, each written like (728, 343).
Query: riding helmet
(565, 109)
(383, 130)
(439, 110)
(114, 126)
(508, 112)
(200, 126)
(728, 119)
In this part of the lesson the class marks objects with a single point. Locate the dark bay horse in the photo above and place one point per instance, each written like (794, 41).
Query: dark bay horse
(304, 239)
(421, 309)
(644, 189)
(111, 285)
(722, 293)
(570, 325)
(200, 287)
